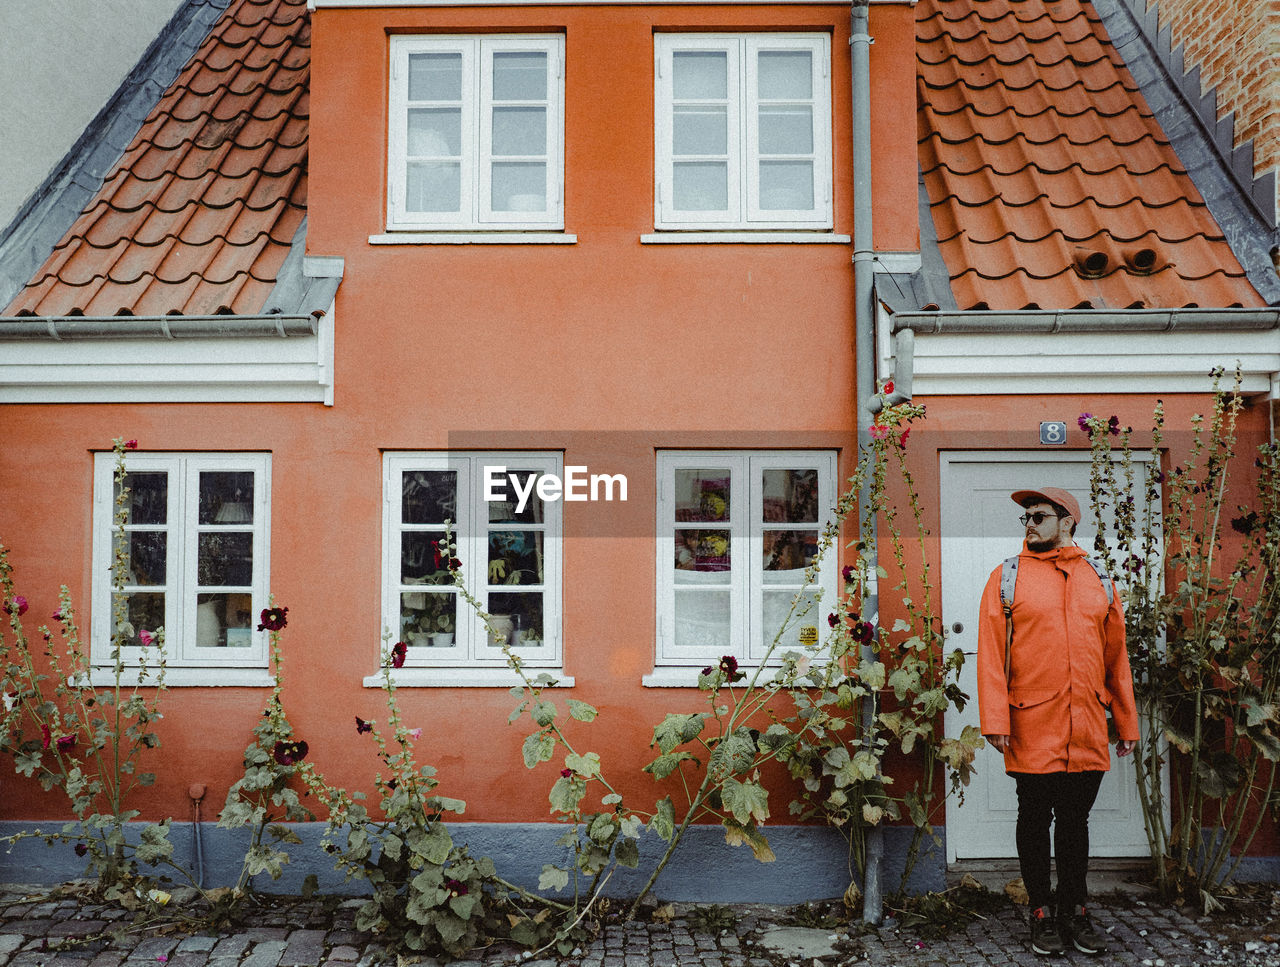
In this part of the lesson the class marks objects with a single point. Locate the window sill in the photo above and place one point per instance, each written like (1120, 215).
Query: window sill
(676, 237)
(686, 676)
(473, 238)
(188, 677)
(464, 678)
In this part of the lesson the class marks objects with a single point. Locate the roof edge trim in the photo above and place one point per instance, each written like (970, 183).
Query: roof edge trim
(1089, 320)
(59, 328)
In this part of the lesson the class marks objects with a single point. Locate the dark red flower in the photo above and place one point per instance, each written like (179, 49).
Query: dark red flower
(81, 849)
(17, 606)
(362, 726)
(273, 619)
(1083, 421)
(66, 743)
(454, 564)
(888, 387)
(849, 572)
(456, 887)
(566, 773)
(1246, 524)
(131, 445)
(331, 848)
(45, 736)
(833, 619)
(1134, 564)
(729, 665)
(289, 753)
(437, 559)
(708, 670)
(398, 652)
(1113, 426)
(863, 631)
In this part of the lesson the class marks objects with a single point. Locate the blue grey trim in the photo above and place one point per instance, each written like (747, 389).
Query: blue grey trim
(58, 201)
(812, 861)
(296, 292)
(1222, 174)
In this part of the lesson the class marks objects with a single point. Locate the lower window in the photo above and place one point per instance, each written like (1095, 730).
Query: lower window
(180, 543)
(508, 546)
(737, 534)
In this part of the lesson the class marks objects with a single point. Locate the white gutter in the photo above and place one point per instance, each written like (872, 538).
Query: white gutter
(59, 328)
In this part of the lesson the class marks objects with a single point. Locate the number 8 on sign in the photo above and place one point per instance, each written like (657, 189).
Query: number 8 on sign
(1053, 432)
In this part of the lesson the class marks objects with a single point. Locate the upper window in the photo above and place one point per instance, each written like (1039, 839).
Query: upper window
(737, 532)
(743, 131)
(193, 548)
(476, 138)
(508, 540)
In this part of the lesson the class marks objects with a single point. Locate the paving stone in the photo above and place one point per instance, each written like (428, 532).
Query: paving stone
(305, 947)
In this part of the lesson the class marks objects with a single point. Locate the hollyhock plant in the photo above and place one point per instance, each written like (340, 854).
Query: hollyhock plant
(273, 619)
(18, 606)
(362, 726)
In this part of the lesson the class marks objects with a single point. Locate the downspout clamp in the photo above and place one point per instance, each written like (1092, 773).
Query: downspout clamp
(864, 321)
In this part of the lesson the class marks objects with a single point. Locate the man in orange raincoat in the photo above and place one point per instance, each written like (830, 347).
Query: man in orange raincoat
(1067, 665)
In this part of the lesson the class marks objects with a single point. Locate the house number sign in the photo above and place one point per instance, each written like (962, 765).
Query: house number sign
(1053, 432)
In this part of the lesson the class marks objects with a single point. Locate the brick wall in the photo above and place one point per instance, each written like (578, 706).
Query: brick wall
(1236, 45)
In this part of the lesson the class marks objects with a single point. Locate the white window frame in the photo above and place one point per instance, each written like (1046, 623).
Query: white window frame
(746, 525)
(476, 209)
(470, 661)
(186, 664)
(744, 211)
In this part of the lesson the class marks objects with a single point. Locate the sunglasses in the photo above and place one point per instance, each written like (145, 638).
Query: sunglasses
(1038, 518)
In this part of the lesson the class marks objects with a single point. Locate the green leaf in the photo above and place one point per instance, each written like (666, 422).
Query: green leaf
(587, 765)
(734, 755)
(676, 729)
(543, 713)
(612, 799)
(602, 829)
(667, 763)
(436, 845)
(566, 794)
(553, 878)
(539, 747)
(582, 711)
(664, 819)
(627, 853)
(747, 801)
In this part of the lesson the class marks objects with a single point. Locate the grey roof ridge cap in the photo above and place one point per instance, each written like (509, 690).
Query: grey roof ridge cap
(54, 205)
(984, 321)
(1248, 232)
(59, 328)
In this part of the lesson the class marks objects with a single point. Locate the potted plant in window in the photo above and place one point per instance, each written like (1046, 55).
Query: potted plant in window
(442, 632)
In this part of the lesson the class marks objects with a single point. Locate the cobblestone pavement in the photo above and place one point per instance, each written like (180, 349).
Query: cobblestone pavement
(43, 929)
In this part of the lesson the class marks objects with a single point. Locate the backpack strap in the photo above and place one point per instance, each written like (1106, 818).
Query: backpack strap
(1008, 581)
(1107, 584)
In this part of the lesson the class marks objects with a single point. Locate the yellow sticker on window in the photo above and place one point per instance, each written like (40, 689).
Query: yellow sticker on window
(809, 635)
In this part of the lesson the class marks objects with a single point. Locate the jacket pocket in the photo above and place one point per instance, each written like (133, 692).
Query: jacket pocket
(1104, 698)
(1034, 718)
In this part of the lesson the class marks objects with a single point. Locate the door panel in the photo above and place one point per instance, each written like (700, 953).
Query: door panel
(979, 530)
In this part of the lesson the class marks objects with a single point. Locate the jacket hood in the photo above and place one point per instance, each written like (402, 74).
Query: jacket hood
(1068, 553)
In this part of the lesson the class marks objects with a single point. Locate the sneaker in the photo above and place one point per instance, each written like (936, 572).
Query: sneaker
(1077, 931)
(1046, 939)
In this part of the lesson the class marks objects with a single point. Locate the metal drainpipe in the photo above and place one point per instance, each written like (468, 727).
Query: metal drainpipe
(864, 361)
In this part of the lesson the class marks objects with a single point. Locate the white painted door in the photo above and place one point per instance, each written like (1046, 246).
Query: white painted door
(979, 530)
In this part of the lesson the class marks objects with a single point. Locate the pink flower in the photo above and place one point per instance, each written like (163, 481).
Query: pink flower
(879, 431)
(17, 606)
(45, 736)
(415, 733)
(146, 637)
(566, 773)
(905, 433)
(1083, 421)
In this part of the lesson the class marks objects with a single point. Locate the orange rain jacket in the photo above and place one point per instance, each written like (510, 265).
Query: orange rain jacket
(1069, 666)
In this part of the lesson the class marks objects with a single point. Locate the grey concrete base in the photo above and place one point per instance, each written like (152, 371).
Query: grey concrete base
(812, 862)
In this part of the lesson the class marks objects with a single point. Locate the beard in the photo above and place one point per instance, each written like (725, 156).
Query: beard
(1040, 546)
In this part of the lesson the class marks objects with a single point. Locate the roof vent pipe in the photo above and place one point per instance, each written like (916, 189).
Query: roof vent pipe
(1141, 261)
(1091, 263)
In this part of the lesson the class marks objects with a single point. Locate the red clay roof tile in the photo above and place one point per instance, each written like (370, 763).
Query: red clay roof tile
(200, 211)
(1038, 151)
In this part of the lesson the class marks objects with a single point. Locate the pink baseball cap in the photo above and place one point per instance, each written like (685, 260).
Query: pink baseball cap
(1052, 495)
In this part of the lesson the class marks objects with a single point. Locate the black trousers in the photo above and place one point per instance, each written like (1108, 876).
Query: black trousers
(1064, 799)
